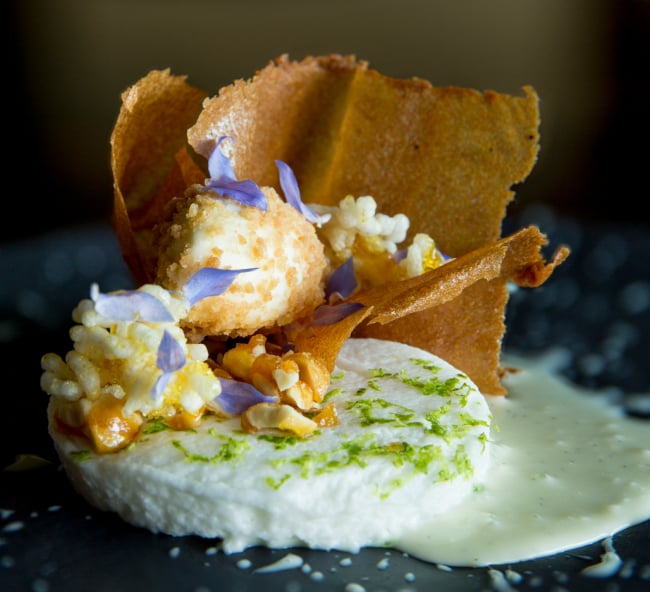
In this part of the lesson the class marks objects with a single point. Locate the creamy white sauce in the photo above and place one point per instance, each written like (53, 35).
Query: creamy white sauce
(567, 470)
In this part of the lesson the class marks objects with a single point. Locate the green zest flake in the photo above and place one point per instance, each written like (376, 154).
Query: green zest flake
(431, 385)
(80, 455)
(280, 442)
(433, 417)
(462, 463)
(470, 420)
(434, 386)
(232, 449)
(426, 364)
(392, 486)
(399, 415)
(337, 376)
(483, 439)
(421, 457)
(153, 426)
(381, 373)
(331, 393)
(276, 483)
(360, 391)
(357, 452)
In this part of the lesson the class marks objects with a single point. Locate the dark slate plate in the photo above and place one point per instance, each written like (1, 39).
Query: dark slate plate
(596, 305)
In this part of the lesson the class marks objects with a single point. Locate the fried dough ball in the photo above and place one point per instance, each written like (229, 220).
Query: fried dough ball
(206, 230)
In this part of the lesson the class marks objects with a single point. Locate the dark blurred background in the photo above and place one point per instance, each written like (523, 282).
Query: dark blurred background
(68, 62)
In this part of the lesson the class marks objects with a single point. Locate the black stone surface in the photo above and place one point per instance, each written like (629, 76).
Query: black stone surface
(596, 306)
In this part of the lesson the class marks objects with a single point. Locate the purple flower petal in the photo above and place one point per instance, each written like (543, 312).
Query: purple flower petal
(171, 358)
(327, 314)
(210, 281)
(245, 192)
(291, 191)
(159, 388)
(130, 305)
(399, 255)
(219, 165)
(223, 181)
(342, 281)
(237, 396)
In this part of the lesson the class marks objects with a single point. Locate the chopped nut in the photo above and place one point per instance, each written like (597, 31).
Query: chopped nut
(107, 427)
(270, 416)
(184, 420)
(326, 417)
(299, 395)
(286, 375)
(261, 374)
(313, 372)
(239, 359)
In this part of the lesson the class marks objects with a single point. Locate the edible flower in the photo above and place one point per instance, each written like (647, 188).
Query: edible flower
(170, 358)
(291, 191)
(210, 281)
(223, 181)
(342, 283)
(328, 314)
(136, 305)
(236, 396)
(130, 305)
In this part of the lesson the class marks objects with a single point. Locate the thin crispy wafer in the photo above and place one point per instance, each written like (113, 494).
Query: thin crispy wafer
(150, 130)
(445, 310)
(325, 341)
(446, 157)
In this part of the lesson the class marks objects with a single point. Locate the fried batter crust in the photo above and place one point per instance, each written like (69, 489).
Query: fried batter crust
(209, 231)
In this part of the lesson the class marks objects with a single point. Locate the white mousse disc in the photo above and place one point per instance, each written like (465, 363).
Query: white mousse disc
(411, 428)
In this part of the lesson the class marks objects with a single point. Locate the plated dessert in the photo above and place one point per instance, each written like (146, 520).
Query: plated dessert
(312, 356)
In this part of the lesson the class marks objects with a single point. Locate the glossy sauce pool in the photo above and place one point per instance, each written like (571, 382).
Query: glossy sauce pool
(567, 469)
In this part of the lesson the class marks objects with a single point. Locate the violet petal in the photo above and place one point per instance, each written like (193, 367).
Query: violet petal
(237, 396)
(291, 192)
(159, 388)
(342, 280)
(399, 255)
(130, 305)
(219, 165)
(224, 182)
(328, 314)
(210, 281)
(170, 358)
(246, 192)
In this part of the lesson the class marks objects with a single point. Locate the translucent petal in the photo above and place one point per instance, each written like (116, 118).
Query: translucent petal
(223, 181)
(237, 396)
(210, 281)
(328, 314)
(131, 305)
(159, 387)
(246, 192)
(171, 356)
(219, 165)
(291, 191)
(342, 281)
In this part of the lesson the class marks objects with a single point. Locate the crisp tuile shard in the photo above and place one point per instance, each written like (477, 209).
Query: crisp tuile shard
(446, 157)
